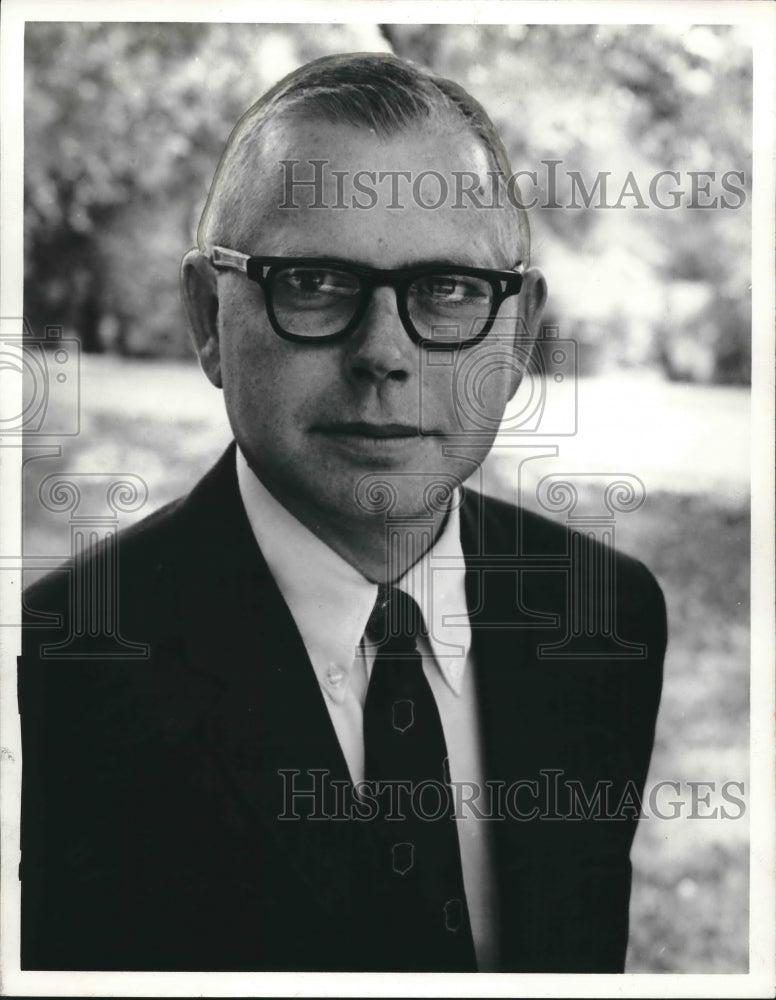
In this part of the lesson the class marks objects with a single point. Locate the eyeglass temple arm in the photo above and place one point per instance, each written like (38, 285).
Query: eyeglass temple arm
(221, 257)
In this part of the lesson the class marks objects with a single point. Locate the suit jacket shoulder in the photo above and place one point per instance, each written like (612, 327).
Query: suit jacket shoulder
(546, 550)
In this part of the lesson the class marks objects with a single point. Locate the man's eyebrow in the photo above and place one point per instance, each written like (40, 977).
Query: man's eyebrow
(295, 251)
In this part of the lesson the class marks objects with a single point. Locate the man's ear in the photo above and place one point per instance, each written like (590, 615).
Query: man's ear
(532, 298)
(199, 294)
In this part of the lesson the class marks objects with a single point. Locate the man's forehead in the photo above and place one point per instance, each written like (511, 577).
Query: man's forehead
(444, 142)
(302, 172)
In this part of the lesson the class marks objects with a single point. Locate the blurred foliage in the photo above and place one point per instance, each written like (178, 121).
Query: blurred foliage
(124, 124)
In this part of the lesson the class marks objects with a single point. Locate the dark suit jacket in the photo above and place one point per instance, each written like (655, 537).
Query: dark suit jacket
(152, 786)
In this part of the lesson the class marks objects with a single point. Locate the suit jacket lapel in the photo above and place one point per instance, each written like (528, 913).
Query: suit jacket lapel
(501, 646)
(265, 720)
(511, 689)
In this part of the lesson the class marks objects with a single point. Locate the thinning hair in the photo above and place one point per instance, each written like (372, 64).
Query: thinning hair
(369, 89)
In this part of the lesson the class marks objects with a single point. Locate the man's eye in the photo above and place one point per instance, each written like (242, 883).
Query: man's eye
(306, 281)
(451, 289)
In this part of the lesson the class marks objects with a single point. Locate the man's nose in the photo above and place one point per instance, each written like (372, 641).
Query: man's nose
(380, 348)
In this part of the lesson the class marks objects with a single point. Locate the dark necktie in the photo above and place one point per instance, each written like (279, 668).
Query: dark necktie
(421, 885)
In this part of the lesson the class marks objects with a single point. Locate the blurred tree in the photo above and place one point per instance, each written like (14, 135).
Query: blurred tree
(620, 99)
(124, 124)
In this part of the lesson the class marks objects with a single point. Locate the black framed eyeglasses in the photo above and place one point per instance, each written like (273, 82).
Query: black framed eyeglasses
(322, 300)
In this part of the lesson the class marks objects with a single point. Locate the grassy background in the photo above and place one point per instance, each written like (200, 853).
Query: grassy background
(689, 445)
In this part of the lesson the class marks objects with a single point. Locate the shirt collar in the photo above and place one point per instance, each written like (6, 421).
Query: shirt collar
(331, 601)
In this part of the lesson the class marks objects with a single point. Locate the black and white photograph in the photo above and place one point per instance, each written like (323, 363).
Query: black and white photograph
(387, 474)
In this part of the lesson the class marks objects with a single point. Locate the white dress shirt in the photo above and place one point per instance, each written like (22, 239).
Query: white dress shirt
(330, 602)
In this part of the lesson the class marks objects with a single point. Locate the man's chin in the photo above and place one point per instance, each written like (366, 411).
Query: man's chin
(403, 496)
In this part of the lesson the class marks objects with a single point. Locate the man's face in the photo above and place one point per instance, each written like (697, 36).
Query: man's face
(315, 420)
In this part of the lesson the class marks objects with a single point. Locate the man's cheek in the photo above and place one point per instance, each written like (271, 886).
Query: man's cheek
(437, 411)
(470, 398)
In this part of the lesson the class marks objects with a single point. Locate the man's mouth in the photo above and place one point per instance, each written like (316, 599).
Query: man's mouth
(365, 429)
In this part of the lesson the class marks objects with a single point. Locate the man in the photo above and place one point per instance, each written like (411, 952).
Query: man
(358, 741)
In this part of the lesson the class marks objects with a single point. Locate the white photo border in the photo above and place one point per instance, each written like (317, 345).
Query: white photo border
(761, 979)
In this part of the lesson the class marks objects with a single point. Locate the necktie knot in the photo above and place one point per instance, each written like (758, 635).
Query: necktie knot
(395, 618)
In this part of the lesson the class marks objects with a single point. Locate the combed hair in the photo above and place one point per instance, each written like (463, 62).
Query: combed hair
(369, 89)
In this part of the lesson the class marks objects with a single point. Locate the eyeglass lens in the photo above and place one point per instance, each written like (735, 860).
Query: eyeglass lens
(320, 302)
